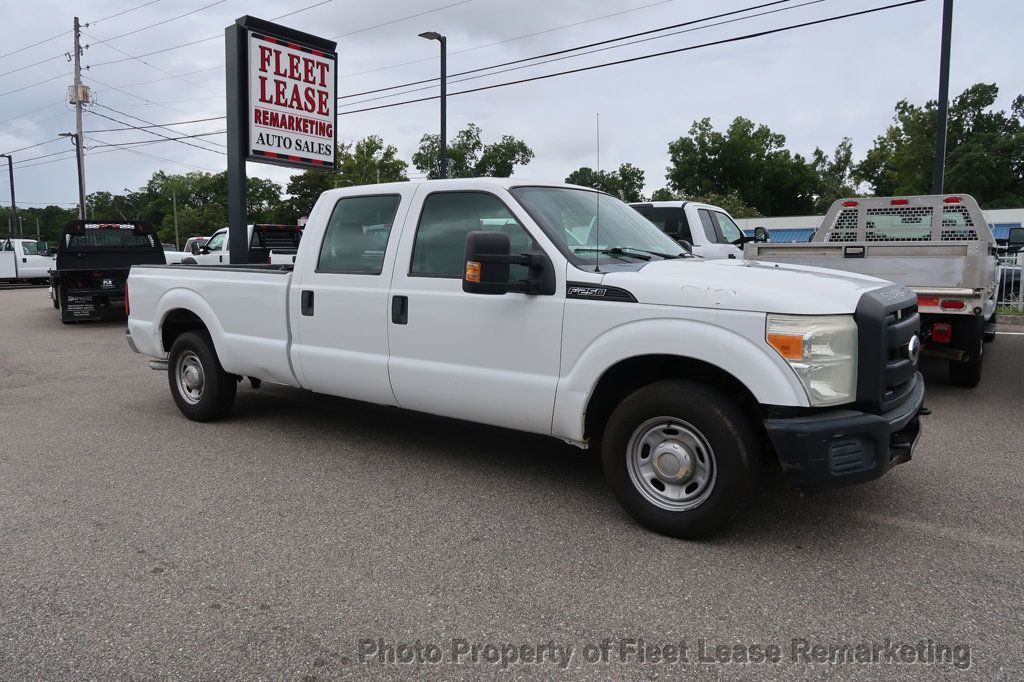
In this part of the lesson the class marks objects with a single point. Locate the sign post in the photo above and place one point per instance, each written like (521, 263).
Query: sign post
(281, 108)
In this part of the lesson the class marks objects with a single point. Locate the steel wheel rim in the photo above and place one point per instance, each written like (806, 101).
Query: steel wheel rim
(671, 464)
(190, 377)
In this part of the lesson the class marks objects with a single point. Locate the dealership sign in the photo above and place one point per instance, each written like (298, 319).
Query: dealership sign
(288, 83)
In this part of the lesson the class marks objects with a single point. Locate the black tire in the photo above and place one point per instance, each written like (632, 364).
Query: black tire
(989, 337)
(56, 298)
(189, 261)
(59, 305)
(967, 374)
(216, 388)
(733, 454)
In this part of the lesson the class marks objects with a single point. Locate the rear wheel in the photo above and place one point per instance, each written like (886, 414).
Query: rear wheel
(967, 373)
(680, 457)
(202, 390)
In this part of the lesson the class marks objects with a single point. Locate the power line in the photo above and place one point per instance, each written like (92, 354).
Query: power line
(149, 124)
(164, 21)
(153, 66)
(31, 146)
(153, 132)
(26, 87)
(29, 66)
(136, 143)
(151, 156)
(401, 19)
(127, 11)
(509, 40)
(600, 42)
(27, 47)
(629, 60)
(155, 125)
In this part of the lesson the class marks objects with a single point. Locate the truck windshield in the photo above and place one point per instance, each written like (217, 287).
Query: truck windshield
(112, 236)
(589, 226)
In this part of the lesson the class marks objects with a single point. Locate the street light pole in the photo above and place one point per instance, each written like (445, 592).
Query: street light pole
(14, 204)
(939, 169)
(443, 155)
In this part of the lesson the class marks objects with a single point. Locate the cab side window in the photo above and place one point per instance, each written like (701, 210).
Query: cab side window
(727, 229)
(440, 246)
(216, 242)
(708, 223)
(357, 235)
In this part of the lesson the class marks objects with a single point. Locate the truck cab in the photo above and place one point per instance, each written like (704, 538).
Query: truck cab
(709, 231)
(24, 259)
(265, 242)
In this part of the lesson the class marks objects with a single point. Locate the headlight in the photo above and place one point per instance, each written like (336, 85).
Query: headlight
(822, 350)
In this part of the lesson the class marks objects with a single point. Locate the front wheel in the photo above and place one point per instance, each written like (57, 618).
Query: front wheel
(201, 388)
(680, 457)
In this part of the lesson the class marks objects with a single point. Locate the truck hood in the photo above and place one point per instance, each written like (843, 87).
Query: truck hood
(746, 285)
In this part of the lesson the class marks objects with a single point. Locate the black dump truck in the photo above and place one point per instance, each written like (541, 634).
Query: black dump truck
(92, 265)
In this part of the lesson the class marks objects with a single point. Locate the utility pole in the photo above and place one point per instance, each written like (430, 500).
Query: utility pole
(939, 169)
(37, 229)
(79, 96)
(14, 204)
(443, 148)
(174, 207)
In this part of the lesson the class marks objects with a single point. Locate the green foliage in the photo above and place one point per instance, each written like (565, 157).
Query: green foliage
(469, 157)
(732, 202)
(664, 194)
(51, 221)
(627, 182)
(984, 150)
(370, 161)
(835, 175)
(748, 159)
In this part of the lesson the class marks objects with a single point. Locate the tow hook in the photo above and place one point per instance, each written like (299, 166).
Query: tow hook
(924, 411)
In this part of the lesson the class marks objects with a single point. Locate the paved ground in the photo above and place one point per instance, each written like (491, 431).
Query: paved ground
(134, 543)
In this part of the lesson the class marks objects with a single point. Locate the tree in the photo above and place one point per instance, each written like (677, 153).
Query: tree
(835, 174)
(626, 182)
(748, 159)
(984, 149)
(731, 202)
(469, 157)
(368, 162)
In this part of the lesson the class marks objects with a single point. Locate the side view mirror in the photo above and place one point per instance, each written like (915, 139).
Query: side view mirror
(1016, 240)
(487, 267)
(42, 248)
(687, 246)
(761, 235)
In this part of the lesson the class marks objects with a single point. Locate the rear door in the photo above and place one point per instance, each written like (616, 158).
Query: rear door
(341, 299)
(489, 359)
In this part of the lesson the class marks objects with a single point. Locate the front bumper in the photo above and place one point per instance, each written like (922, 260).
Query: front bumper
(843, 447)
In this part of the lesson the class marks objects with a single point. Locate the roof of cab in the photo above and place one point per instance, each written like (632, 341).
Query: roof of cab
(451, 184)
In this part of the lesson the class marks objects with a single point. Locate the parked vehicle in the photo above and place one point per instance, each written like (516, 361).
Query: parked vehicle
(275, 244)
(938, 246)
(24, 260)
(93, 260)
(703, 229)
(558, 310)
(199, 242)
(172, 255)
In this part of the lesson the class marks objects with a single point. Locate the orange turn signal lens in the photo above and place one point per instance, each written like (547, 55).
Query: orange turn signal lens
(928, 301)
(790, 346)
(472, 271)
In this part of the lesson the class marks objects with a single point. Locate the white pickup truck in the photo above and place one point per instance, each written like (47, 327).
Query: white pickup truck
(21, 260)
(558, 310)
(274, 244)
(708, 231)
(939, 246)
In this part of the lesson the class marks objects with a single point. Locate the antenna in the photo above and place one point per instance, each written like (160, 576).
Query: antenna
(597, 195)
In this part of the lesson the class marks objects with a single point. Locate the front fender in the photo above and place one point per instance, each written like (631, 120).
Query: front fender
(735, 349)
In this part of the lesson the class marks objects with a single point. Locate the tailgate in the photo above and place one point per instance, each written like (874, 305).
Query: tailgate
(916, 265)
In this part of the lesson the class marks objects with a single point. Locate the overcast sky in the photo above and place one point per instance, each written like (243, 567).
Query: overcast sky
(815, 85)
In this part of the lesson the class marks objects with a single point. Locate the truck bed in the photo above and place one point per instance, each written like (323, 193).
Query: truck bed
(918, 265)
(251, 323)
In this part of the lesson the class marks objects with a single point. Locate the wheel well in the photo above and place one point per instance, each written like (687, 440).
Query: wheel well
(178, 322)
(623, 378)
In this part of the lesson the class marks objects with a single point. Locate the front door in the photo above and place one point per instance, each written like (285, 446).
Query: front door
(490, 359)
(339, 300)
(32, 265)
(217, 248)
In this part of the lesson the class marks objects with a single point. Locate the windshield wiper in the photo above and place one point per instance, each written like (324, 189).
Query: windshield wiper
(632, 252)
(616, 251)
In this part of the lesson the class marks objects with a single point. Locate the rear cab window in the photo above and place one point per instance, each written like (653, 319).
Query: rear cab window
(357, 235)
(671, 221)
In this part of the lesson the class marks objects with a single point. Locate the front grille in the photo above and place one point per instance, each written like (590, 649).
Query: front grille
(887, 320)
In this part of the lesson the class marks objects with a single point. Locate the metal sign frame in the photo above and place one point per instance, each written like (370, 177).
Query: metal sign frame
(236, 43)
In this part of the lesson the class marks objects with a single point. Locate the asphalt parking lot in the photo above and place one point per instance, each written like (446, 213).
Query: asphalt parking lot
(303, 533)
